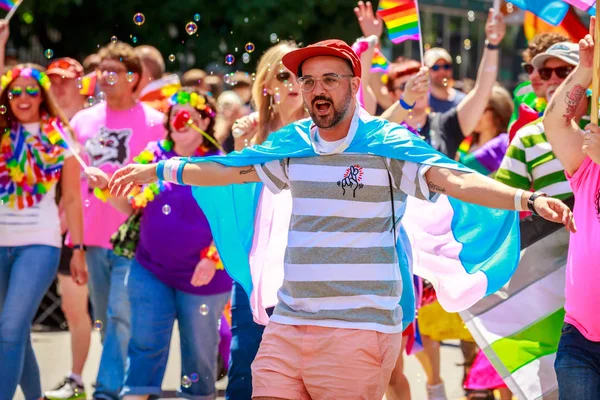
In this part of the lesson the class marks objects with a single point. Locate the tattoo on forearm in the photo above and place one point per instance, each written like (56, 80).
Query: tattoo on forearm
(572, 100)
(551, 106)
(435, 188)
(247, 171)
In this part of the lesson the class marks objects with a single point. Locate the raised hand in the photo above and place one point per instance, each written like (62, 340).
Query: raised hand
(586, 47)
(556, 211)
(417, 86)
(97, 178)
(370, 23)
(495, 27)
(130, 176)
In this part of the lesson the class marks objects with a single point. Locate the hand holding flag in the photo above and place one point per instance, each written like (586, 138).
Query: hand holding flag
(495, 27)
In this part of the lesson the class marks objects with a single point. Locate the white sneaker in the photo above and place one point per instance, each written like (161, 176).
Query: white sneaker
(66, 390)
(436, 392)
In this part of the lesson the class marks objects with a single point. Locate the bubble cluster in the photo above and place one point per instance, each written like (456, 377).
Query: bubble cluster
(97, 325)
(203, 309)
(129, 77)
(186, 382)
(172, 57)
(229, 59)
(197, 17)
(191, 28)
(3, 109)
(49, 53)
(139, 19)
(111, 78)
(249, 47)
(113, 39)
(166, 209)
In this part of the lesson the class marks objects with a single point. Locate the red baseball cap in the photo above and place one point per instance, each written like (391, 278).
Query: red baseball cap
(65, 67)
(334, 47)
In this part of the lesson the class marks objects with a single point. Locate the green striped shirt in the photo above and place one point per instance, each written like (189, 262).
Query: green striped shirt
(530, 163)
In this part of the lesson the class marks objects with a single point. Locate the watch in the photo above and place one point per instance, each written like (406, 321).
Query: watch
(531, 201)
(491, 46)
(82, 247)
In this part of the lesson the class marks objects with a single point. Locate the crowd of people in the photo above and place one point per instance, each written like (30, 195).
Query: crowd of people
(101, 189)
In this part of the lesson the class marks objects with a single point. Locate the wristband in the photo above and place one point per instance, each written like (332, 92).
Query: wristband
(81, 247)
(179, 176)
(160, 168)
(405, 105)
(518, 200)
(490, 46)
(102, 194)
(531, 201)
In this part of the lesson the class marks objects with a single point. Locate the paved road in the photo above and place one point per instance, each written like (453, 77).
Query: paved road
(53, 354)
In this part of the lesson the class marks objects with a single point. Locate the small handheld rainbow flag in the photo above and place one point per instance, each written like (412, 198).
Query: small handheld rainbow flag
(379, 63)
(401, 19)
(8, 4)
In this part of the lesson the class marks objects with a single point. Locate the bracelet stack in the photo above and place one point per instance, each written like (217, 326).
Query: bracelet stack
(212, 254)
(171, 170)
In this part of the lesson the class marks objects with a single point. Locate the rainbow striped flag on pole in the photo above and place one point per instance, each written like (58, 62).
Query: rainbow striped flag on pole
(8, 4)
(401, 18)
(379, 63)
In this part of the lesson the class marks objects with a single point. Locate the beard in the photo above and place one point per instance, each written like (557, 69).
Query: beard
(334, 118)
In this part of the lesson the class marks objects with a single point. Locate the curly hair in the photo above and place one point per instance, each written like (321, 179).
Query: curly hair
(540, 43)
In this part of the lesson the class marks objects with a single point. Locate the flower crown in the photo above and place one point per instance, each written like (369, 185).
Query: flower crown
(28, 72)
(194, 99)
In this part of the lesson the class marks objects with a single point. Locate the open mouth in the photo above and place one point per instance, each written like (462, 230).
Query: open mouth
(323, 107)
(24, 106)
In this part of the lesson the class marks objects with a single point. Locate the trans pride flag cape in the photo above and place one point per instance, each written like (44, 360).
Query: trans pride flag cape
(467, 251)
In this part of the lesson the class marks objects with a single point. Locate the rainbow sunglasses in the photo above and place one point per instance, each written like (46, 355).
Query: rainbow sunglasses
(17, 91)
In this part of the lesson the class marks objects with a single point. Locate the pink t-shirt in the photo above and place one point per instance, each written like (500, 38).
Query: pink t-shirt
(583, 263)
(110, 140)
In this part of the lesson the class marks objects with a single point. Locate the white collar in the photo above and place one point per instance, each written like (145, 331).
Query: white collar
(314, 137)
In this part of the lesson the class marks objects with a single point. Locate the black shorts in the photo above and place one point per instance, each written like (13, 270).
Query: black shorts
(65, 259)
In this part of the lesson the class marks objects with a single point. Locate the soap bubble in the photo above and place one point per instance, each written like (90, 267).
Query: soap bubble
(111, 78)
(87, 204)
(90, 101)
(194, 377)
(49, 53)
(172, 57)
(197, 17)
(229, 59)
(113, 39)
(139, 19)
(203, 309)
(2, 109)
(79, 83)
(101, 97)
(186, 382)
(130, 76)
(166, 209)
(134, 40)
(191, 28)
(273, 37)
(249, 47)
(97, 325)
(230, 79)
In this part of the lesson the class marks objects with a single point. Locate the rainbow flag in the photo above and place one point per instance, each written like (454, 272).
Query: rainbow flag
(401, 19)
(88, 83)
(379, 62)
(8, 4)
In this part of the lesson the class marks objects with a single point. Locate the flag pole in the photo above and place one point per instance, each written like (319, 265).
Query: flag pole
(595, 77)
(420, 34)
(12, 11)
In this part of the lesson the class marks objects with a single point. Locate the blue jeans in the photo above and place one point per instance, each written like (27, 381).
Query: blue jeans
(577, 366)
(26, 273)
(154, 308)
(246, 336)
(110, 306)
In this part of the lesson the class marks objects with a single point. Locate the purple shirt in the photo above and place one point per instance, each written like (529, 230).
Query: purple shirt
(171, 242)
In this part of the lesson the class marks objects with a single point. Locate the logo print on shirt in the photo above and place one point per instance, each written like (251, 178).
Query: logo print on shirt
(352, 179)
(109, 146)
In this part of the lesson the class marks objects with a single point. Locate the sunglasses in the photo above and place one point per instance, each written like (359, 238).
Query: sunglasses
(17, 91)
(561, 72)
(283, 76)
(528, 68)
(446, 67)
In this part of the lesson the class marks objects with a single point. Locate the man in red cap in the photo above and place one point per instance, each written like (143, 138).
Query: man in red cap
(346, 294)
(65, 75)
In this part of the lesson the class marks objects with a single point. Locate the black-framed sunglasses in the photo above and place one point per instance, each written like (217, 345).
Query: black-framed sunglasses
(330, 81)
(528, 68)
(561, 72)
(283, 76)
(446, 67)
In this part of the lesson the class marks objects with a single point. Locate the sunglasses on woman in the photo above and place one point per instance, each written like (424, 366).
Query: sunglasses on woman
(446, 67)
(528, 68)
(561, 72)
(17, 91)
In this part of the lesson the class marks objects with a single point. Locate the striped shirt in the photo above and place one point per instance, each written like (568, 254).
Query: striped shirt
(530, 163)
(341, 266)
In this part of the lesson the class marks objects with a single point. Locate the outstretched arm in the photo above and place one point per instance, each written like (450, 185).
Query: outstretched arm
(201, 174)
(472, 107)
(479, 189)
(562, 131)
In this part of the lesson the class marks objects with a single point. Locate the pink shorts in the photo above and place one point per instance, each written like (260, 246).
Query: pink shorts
(298, 362)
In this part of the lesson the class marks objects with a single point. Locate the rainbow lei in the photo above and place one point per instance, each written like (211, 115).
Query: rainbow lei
(14, 73)
(30, 164)
(194, 99)
(140, 196)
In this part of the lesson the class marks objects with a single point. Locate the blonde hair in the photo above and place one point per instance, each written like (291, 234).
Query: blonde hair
(267, 69)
